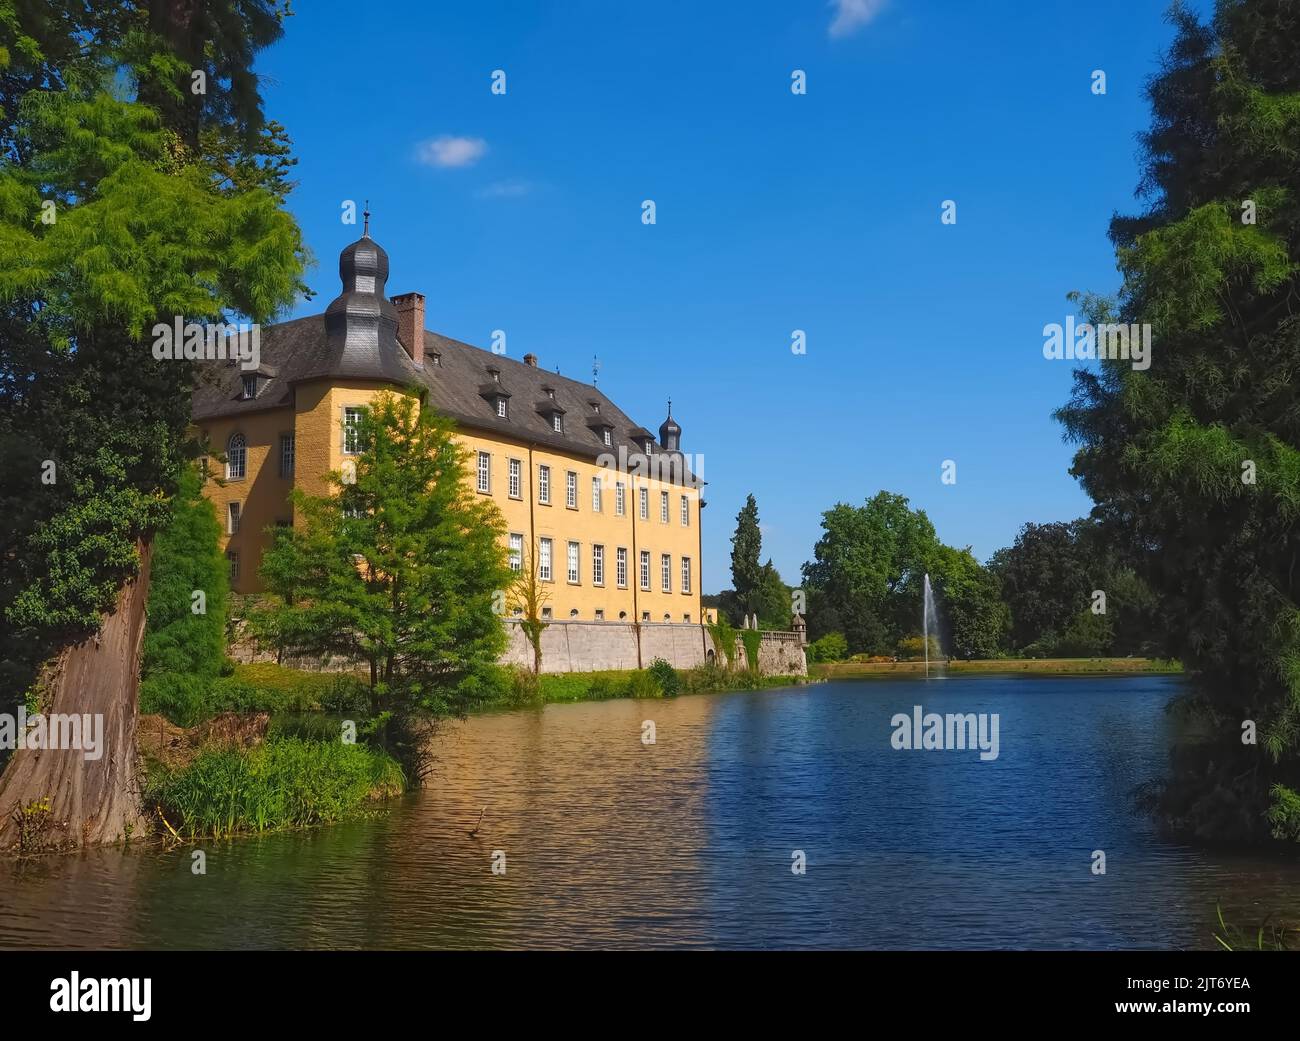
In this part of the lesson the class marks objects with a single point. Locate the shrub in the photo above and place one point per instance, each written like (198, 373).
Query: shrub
(831, 647)
(644, 685)
(666, 676)
(752, 640)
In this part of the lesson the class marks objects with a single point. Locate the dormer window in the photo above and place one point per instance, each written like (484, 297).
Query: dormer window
(437, 360)
(501, 407)
(649, 446)
(557, 421)
(608, 439)
(495, 374)
(248, 386)
(550, 393)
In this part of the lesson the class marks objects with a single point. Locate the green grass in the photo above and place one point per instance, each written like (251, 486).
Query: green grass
(1038, 666)
(527, 690)
(284, 783)
(262, 687)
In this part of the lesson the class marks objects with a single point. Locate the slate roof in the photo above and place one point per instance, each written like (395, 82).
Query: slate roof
(454, 377)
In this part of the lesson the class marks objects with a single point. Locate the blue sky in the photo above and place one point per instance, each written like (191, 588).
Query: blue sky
(774, 212)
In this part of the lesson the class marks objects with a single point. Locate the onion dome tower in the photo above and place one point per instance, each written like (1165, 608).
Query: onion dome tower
(670, 434)
(361, 322)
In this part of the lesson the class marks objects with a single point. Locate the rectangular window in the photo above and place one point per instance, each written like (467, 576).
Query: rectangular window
(686, 512)
(663, 507)
(600, 615)
(514, 478)
(619, 502)
(620, 566)
(544, 485)
(286, 455)
(248, 388)
(573, 562)
(516, 552)
(232, 558)
(645, 571)
(501, 407)
(598, 565)
(352, 430)
(232, 518)
(544, 559)
(484, 472)
(595, 495)
(608, 440)
(686, 574)
(666, 572)
(645, 503)
(645, 616)
(557, 421)
(571, 489)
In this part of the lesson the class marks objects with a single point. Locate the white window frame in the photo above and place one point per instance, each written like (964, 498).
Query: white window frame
(544, 559)
(666, 572)
(574, 559)
(248, 386)
(236, 457)
(288, 451)
(233, 511)
(686, 511)
(543, 484)
(501, 407)
(595, 495)
(516, 551)
(597, 565)
(620, 567)
(557, 423)
(663, 507)
(516, 469)
(483, 472)
(352, 429)
(645, 570)
(686, 574)
(609, 441)
(571, 489)
(620, 498)
(644, 497)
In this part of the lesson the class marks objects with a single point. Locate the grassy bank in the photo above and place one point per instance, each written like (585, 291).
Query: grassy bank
(658, 681)
(281, 783)
(1004, 666)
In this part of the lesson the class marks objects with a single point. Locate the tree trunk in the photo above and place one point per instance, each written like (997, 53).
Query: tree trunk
(91, 801)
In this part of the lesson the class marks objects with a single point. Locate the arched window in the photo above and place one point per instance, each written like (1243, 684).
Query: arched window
(236, 455)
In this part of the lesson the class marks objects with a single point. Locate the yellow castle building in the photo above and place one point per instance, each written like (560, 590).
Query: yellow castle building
(609, 515)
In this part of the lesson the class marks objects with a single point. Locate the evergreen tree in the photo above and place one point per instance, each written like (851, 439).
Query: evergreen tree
(1195, 462)
(402, 569)
(746, 545)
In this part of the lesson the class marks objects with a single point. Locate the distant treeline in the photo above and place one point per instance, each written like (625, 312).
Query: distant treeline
(1061, 590)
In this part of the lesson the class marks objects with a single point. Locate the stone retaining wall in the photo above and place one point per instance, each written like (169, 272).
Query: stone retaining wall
(597, 646)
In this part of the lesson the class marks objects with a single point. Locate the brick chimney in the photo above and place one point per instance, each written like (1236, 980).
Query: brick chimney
(410, 324)
(530, 359)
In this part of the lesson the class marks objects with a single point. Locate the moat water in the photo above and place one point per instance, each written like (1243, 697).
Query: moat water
(609, 842)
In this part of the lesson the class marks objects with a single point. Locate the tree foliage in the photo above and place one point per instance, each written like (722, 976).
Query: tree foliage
(1194, 464)
(746, 545)
(115, 214)
(402, 568)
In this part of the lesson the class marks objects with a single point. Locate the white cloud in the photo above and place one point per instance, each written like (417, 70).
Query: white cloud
(451, 151)
(505, 190)
(852, 15)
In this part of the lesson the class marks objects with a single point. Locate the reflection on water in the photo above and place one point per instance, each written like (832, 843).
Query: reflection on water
(688, 842)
